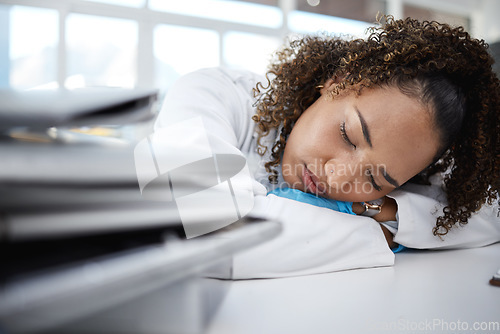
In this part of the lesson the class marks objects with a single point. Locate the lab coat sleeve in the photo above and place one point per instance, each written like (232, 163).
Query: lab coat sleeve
(418, 208)
(314, 240)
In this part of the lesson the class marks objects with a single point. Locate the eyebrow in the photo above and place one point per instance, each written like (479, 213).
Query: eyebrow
(364, 128)
(366, 135)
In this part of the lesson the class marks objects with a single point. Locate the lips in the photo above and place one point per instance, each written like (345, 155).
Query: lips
(311, 182)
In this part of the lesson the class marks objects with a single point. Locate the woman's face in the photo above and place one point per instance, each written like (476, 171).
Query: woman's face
(359, 147)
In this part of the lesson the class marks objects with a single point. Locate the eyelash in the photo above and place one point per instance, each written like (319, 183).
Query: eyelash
(344, 135)
(372, 180)
(348, 141)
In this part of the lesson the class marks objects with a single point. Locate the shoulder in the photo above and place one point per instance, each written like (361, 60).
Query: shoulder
(223, 76)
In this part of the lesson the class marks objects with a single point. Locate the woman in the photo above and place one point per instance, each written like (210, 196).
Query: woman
(356, 121)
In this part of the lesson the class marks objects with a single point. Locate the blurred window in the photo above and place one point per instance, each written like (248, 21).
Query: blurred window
(274, 3)
(101, 51)
(101, 45)
(359, 10)
(128, 3)
(432, 15)
(305, 22)
(249, 51)
(180, 50)
(32, 47)
(232, 11)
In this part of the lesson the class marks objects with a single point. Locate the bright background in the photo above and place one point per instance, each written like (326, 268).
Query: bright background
(150, 43)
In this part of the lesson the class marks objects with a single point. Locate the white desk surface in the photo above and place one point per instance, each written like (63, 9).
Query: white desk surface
(425, 291)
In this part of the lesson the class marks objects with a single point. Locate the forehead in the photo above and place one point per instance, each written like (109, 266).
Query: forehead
(389, 103)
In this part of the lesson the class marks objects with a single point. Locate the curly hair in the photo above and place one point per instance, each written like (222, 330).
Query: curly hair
(413, 55)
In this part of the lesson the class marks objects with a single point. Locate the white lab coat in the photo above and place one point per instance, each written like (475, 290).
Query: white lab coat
(314, 240)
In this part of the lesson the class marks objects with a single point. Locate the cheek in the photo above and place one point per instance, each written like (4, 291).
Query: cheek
(288, 168)
(290, 161)
(359, 191)
(407, 162)
(317, 138)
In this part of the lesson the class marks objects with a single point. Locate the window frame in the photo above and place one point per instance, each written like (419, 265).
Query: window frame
(147, 19)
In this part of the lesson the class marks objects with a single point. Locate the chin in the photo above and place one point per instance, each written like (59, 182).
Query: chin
(350, 198)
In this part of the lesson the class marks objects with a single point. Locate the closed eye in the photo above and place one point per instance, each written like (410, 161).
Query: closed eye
(372, 181)
(344, 135)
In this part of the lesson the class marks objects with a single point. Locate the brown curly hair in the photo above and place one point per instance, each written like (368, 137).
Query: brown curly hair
(410, 54)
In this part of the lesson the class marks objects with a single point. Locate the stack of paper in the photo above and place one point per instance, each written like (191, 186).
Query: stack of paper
(92, 227)
(60, 183)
